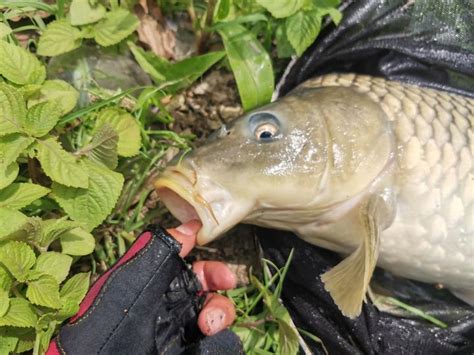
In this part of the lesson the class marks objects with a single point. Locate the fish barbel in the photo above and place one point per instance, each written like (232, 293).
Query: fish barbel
(377, 170)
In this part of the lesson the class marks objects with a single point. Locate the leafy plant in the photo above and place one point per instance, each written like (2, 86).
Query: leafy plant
(78, 188)
(263, 323)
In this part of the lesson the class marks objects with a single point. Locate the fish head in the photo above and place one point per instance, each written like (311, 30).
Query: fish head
(276, 166)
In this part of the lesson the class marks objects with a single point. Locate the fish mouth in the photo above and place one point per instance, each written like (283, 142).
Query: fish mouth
(189, 198)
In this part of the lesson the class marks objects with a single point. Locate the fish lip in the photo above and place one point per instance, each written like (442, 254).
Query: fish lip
(177, 189)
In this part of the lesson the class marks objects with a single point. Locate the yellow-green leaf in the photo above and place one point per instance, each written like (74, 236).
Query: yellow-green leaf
(20, 314)
(59, 37)
(77, 242)
(18, 258)
(4, 302)
(127, 128)
(117, 25)
(8, 173)
(60, 165)
(57, 90)
(92, 205)
(54, 264)
(302, 29)
(12, 109)
(11, 221)
(82, 12)
(20, 66)
(44, 291)
(41, 118)
(19, 195)
(281, 8)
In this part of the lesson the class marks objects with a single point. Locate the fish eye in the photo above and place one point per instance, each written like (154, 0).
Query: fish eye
(264, 126)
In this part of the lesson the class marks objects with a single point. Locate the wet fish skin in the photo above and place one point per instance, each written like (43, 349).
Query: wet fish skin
(361, 164)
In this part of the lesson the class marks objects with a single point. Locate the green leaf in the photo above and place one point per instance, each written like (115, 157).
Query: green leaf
(12, 109)
(44, 292)
(251, 65)
(59, 37)
(302, 29)
(45, 328)
(127, 128)
(61, 92)
(77, 242)
(60, 165)
(41, 118)
(4, 302)
(54, 264)
(7, 344)
(19, 195)
(92, 205)
(117, 25)
(288, 338)
(284, 47)
(18, 258)
(6, 280)
(4, 31)
(20, 314)
(178, 75)
(20, 66)
(52, 229)
(281, 8)
(103, 147)
(82, 12)
(29, 90)
(75, 288)
(11, 146)
(8, 174)
(11, 221)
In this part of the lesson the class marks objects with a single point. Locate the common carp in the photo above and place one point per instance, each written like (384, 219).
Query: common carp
(376, 170)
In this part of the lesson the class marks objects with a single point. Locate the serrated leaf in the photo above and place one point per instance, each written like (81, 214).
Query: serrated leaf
(41, 118)
(75, 288)
(60, 165)
(4, 302)
(127, 128)
(19, 195)
(302, 29)
(12, 109)
(284, 47)
(6, 280)
(22, 336)
(20, 314)
(92, 205)
(8, 174)
(103, 147)
(59, 37)
(281, 8)
(18, 258)
(52, 229)
(4, 30)
(77, 242)
(82, 12)
(11, 146)
(29, 90)
(11, 221)
(117, 25)
(61, 92)
(54, 264)
(251, 65)
(44, 292)
(20, 66)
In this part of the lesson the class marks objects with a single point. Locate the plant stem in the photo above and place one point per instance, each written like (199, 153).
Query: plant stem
(204, 34)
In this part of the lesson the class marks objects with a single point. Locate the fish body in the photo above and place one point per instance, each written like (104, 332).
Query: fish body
(377, 170)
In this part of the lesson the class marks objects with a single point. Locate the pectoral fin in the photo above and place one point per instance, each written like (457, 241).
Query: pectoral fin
(348, 281)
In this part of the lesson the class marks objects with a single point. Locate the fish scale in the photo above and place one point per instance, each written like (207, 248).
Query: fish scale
(432, 236)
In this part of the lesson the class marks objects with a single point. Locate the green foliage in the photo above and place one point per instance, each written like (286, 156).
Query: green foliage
(86, 20)
(263, 323)
(35, 253)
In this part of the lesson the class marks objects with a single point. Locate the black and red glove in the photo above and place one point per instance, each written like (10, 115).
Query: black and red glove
(150, 302)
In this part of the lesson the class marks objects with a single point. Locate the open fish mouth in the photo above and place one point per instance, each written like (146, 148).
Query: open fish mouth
(189, 199)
